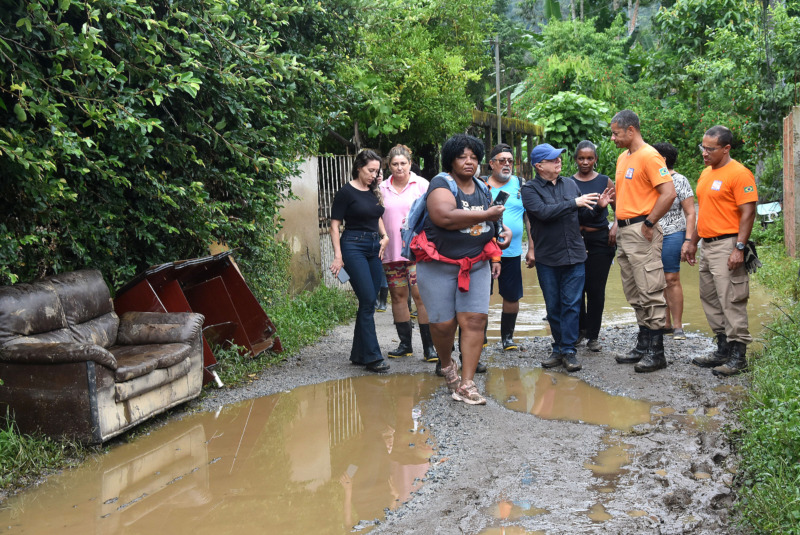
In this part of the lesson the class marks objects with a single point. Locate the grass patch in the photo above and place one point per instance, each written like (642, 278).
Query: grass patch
(23, 458)
(300, 321)
(768, 439)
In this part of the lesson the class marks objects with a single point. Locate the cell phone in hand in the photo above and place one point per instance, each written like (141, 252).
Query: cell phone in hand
(343, 276)
(500, 200)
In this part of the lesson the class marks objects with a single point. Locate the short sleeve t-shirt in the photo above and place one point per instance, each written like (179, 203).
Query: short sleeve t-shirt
(597, 217)
(720, 192)
(674, 220)
(360, 210)
(636, 179)
(462, 243)
(512, 217)
(397, 204)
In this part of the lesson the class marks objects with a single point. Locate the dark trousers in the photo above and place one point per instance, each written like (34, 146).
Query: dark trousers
(561, 287)
(361, 261)
(598, 263)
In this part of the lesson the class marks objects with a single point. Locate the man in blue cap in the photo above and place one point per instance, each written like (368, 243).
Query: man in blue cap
(552, 203)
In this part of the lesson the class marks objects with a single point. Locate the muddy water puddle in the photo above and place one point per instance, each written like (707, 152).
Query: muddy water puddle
(557, 396)
(319, 459)
(530, 321)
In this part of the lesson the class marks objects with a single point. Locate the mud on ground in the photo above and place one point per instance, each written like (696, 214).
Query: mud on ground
(494, 467)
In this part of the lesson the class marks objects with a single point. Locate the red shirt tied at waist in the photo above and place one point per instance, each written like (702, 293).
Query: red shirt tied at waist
(425, 251)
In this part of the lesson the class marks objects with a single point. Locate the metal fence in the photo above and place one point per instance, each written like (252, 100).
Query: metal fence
(333, 173)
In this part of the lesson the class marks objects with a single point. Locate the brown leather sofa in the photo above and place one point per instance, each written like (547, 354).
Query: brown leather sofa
(71, 368)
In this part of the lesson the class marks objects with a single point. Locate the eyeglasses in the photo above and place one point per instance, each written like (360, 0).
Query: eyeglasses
(504, 161)
(709, 150)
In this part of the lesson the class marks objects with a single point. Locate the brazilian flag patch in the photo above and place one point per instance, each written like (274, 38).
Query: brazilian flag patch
(748, 189)
(663, 171)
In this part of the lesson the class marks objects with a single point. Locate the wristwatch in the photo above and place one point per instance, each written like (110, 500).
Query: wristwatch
(648, 223)
(740, 246)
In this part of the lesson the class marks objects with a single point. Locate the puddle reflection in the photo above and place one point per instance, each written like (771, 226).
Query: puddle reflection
(318, 459)
(530, 321)
(557, 396)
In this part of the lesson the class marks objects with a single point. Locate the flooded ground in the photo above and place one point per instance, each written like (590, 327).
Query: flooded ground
(530, 321)
(318, 459)
(317, 446)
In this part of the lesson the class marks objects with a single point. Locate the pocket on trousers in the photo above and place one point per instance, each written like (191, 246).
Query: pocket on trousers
(740, 288)
(654, 277)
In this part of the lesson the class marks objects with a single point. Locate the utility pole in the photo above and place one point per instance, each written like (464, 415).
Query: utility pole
(497, 85)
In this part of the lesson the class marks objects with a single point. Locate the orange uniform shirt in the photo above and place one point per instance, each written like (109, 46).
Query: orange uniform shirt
(720, 192)
(637, 176)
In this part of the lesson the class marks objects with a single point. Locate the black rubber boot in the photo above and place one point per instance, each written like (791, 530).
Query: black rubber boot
(380, 303)
(508, 322)
(654, 358)
(636, 354)
(737, 362)
(428, 351)
(404, 333)
(719, 357)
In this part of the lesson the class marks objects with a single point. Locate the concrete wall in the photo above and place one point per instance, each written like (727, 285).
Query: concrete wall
(301, 228)
(791, 177)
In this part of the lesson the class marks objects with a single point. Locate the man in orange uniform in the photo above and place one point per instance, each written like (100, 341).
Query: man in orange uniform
(645, 192)
(727, 195)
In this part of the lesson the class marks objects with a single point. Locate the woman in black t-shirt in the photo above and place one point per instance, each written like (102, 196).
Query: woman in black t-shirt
(461, 226)
(359, 250)
(600, 243)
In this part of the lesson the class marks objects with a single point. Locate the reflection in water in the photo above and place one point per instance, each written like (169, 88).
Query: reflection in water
(557, 396)
(530, 321)
(510, 530)
(319, 459)
(508, 510)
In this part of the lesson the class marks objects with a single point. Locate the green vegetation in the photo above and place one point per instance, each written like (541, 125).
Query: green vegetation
(769, 438)
(24, 458)
(300, 321)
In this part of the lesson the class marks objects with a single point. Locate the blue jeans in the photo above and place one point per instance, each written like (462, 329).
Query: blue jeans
(361, 261)
(562, 288)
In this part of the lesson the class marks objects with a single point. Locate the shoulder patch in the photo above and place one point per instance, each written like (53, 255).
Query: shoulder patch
(663, 171)
(748, 189)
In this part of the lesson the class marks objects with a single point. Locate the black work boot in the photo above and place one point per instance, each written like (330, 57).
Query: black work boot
(570, 361)
(380, 302)
(508, 321)
(654, 358)
(636, 354)
(719, 357)
(553, 360)
(737, 362)
(404, 333)
(428, 351)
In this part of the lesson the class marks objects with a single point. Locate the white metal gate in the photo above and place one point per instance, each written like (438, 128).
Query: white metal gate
(334, 172)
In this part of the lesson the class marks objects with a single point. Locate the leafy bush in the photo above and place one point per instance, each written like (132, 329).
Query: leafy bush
(568, 118)
(136, 133)
(300, 321)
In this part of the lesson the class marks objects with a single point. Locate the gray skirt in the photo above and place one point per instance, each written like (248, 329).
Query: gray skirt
(438, 286)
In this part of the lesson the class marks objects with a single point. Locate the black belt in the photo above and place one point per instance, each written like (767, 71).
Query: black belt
(631, 221)
(716, 238)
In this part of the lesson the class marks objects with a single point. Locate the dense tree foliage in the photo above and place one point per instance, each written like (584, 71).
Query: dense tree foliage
(134, 133)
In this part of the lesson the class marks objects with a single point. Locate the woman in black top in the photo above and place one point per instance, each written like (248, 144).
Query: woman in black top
(359, 250)
(600, 243)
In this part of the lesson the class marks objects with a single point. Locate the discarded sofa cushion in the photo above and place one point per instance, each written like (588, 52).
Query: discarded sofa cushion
(139, 328)
(29, 309)
(135, 361)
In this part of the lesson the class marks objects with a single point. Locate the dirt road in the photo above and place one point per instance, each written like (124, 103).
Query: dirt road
(507, 467)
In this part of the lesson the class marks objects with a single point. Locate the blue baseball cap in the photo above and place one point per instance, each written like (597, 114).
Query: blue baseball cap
(545, 151)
